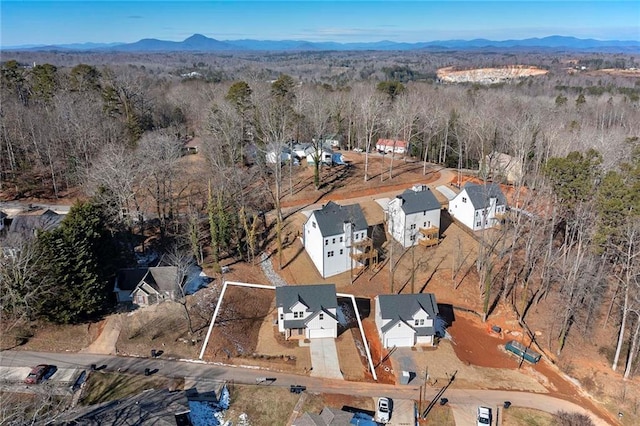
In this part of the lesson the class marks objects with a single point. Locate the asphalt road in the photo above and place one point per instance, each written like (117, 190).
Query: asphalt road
(201, 372)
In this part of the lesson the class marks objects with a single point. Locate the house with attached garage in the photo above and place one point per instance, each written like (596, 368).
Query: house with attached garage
(147, 286)
(406, 320)
(413, 217)
(479, 206)
(335, 238)
(307, 311)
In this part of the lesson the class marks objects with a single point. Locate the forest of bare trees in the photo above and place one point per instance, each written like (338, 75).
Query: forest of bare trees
(115, 133)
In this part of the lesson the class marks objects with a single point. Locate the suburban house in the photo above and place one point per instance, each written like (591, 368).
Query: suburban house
(392, 145)
(502, 165)
(413, 217)
(334, 417)
(335, 237)
(28, 224)
(146, 286)
(479, 206)
(191, 145)
(405, 320)
(307, 311)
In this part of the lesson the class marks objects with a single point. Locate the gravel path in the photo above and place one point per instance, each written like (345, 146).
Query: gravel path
(267, 267)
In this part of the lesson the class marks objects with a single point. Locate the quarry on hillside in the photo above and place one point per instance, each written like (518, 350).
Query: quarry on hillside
(488, 75)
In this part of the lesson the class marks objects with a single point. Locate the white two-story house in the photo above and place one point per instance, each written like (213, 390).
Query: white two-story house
(479, 206)
(333, 237)
(413, 217)
(406, 320)
(307, 311)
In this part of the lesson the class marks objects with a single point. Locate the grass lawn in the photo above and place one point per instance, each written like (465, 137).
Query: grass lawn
(102, 387)
(263, 405)
(441, 415)
(526, 417)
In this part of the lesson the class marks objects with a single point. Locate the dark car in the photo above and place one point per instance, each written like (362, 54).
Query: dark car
(39, 373)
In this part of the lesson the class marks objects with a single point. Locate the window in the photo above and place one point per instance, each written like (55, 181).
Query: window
(281, 317)
(341, 251)
(478, 223)
(464, 199)
(341, 239)
(399, 325)
(412, 237)
(313, 224)
(321, 316)
(333, 241)
(419, 321)
(326, 242)
(330, 253)
(413, 226)
(425, 225)
(424, 213)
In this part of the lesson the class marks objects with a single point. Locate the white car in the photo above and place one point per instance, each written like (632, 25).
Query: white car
(383, 410)
(357, 150)
(484, 416)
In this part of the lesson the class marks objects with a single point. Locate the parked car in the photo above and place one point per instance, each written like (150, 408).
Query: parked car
(383, 410)
(39, 373)
(357, 150)
(484, 416)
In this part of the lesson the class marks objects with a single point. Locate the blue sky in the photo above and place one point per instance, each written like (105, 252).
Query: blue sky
(58, 22)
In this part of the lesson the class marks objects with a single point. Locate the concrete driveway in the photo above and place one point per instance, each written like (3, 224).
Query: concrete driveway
(324, 359)
(402, 360)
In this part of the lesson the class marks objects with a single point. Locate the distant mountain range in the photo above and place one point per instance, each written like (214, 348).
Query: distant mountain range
(200, 43)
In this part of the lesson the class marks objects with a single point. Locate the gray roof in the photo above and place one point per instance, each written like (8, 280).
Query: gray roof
(26, 223)
(402, 307)
(162, 278)
(150, 407)
(479, 195)
(316, 296)
(418, 201)
(328, 417)
(331, 218)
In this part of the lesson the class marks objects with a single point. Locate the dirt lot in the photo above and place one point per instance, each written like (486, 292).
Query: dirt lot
(488, 75)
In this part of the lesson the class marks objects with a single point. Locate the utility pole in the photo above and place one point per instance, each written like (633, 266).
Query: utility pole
(391, 254)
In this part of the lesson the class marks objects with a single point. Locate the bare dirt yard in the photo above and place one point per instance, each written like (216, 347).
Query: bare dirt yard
(247, 334)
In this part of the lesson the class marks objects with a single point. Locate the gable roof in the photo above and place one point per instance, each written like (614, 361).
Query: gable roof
(479, 195)
(328, 417)
(332, 217)
(150, 407)
(316, 296)
(418, 201)
(128, 279)
(42, 219)
(162, 278)
(402, 307)
(391, 143)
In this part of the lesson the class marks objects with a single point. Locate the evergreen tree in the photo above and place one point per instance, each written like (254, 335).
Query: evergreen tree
(78, 263)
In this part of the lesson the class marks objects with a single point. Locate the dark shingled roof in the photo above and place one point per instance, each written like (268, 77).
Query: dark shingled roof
(26, 223)
(128, 279)
(418, 201)
(332, 216)
(402, 307)
(315, 296)
(480, 194)
(162, 278)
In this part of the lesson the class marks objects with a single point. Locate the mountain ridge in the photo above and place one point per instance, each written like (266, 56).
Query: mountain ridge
(201, 43)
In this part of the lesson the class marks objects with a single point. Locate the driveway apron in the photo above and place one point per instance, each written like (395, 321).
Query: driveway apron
(324, 359)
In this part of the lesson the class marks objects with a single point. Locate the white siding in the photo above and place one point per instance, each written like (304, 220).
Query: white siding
(400, 335)
(314, 244)
(463, 211)
(326, 327)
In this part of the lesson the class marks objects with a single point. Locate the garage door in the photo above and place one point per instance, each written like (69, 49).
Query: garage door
(319, 333)
(400, 342)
